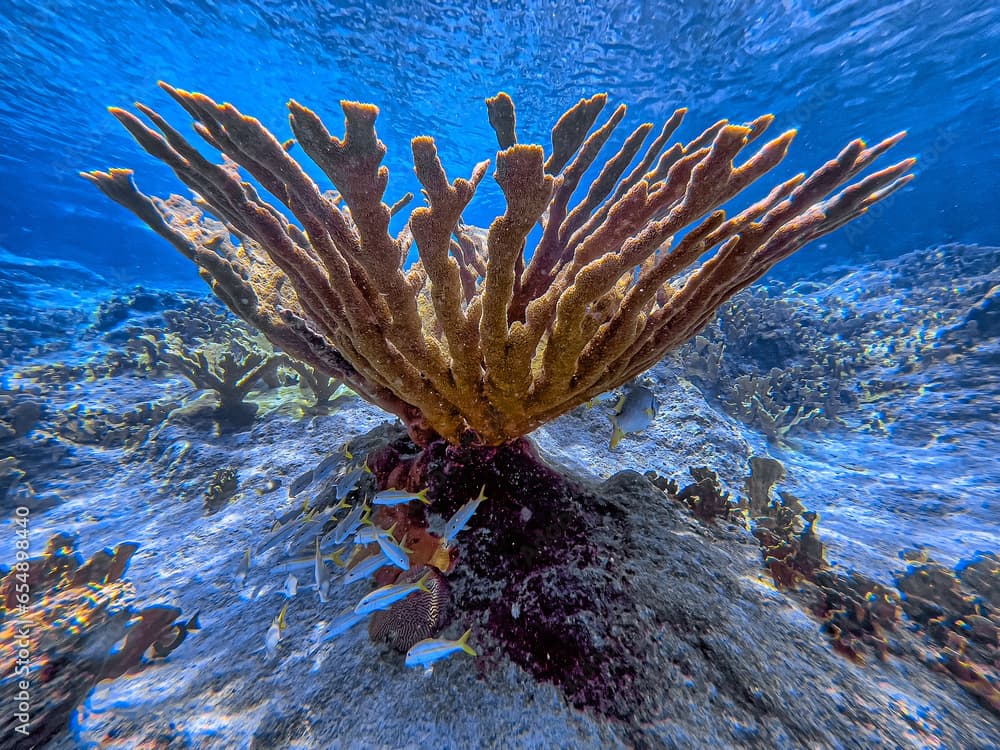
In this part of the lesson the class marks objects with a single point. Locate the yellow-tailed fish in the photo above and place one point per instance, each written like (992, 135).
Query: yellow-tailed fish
(325, 467)
(462, 516)
(634, 412)
(274, 632)
(305, 562)
(349, 481)
(349, 524)
(602, 398)
(371, 533)
(426, 652)
(389, 595)
(343, 622)
(365, 568)
(398, 497)
(300, 483)
(396, 554)
(279, 535)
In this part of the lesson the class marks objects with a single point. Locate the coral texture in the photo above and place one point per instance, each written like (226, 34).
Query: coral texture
(78, 623)
(483, 339)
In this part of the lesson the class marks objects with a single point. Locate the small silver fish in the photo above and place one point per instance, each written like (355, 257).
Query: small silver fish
(428, 651)
(274, 632)
(462, 516)
(386, 596)
(305, 562)
(344, 622)
(398, 497)
(291, 586)
(322, 576)
(240, 578)
(396, 554)
(365, 568)
(635, 411)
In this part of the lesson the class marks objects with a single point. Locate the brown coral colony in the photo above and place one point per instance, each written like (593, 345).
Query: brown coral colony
(483, 338)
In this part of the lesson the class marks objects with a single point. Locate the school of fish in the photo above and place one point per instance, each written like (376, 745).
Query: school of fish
(313, 537)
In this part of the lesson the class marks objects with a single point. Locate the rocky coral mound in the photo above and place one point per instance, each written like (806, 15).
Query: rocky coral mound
(655, 620)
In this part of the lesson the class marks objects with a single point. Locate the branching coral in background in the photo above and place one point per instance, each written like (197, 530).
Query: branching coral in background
(795, 375)
(127, 429)
(481, 340)
(25, 448)
(322, 386)
(20, 411)
(851, 352)
(231, 372)
(753, 398)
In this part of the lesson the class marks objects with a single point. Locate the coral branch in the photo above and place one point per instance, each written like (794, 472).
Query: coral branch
(485, 338)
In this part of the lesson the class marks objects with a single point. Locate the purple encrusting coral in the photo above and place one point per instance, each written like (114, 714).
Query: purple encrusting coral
(528, 544)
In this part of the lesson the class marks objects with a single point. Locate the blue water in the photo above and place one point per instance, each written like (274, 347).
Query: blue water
(835, 70)
(889, 355)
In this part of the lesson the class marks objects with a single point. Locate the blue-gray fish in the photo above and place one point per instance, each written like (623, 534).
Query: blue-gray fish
(344, 622)
(349, 524)
(365, 568)
(280, 534)
(462, 516)
(635, 411)
(349, 481)
(300, 483)
(388, 595)
(393, 552)
(427, 652)
(398, 497)
(325, 467)
(291, 586)
(290, 514)
(308, 531)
